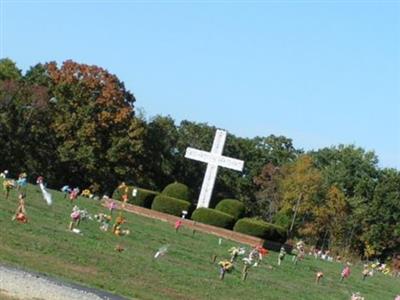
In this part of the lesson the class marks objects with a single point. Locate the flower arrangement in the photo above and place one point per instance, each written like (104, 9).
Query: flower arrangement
(345, 272)
(111, 206)
(39, 180)
(256, 255)
(120, 232)
(225, 266)
(87, 193)
(119, 248)
(117, 230)
(318, 276)
(177, 225)
(235, 251)
(74, 194)
(281, 256)
(22, 180)
(356, 296)
(20, 214)
(22, 175)
(4, 174)
(9, 184)
(123, 187)
(104, 220)
(378, 267)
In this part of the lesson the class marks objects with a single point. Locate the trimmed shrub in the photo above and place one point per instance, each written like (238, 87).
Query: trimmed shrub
(261, 229)
(117, 195)
(118, 192)
(281, 218)
(213, 217)
(170, 205)
(177, 190)
(143, 197)
(232, 207)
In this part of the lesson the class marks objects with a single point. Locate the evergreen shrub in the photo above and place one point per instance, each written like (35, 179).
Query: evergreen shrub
(261, 229)
(177, 190)
(170, 205)
(213, 217)
(143, 197)
(232, 207)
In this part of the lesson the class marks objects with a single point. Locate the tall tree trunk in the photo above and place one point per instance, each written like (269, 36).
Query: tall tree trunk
(295, 214)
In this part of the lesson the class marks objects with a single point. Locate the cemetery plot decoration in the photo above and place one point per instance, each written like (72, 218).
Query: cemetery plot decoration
(256, 255)
(4, 174)
(46, 195)
(318, 277)
(161, 251)
(214, 159)
(117, 227)
(281, 256)
(22, 181)
(345, 272)
(224, 266)
(20, 214)
(66, 190)
(7, 186)
(75, 219)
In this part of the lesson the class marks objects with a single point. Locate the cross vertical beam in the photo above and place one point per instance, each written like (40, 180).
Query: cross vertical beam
(214, 159)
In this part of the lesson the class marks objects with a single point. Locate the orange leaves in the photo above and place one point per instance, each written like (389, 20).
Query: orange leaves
(105, 119)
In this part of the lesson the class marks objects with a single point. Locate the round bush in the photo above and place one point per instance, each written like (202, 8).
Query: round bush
(170, 205)
(143, 197)
(261, 229)
(213, 217)
(232, 207)
(282, 219)
(177, 190)
(117, 195)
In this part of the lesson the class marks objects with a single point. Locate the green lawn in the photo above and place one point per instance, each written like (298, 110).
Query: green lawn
(185, 272)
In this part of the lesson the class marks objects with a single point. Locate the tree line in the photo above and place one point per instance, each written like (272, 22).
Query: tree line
(76, 124)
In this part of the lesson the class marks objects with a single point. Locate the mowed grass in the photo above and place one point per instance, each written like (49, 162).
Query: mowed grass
(185, 272)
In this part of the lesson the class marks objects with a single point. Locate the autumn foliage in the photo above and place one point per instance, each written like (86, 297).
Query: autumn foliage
(76, 124)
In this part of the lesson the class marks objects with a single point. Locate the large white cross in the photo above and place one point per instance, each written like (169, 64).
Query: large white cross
(214, 159)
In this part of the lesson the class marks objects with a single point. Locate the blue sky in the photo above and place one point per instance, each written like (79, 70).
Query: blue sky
(319, 72)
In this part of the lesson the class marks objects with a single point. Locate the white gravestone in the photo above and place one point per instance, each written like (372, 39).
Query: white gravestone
(214, 159)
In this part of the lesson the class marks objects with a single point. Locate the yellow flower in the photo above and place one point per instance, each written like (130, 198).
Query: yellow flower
(225, 264)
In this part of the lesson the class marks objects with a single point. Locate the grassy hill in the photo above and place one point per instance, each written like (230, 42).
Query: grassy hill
(185, 272)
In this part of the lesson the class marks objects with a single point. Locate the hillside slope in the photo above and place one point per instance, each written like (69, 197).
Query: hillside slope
(45, 245)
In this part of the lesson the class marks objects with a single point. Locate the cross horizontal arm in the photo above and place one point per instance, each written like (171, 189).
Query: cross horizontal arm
(214, 159)
(230, 163)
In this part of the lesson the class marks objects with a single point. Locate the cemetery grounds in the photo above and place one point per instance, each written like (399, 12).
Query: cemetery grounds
(45, 245)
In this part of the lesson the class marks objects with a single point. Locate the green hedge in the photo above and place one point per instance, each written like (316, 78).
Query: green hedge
(283, 219)
(117, 195)
(170, 205)
(213, 217)
(143, 197)
(232, 207)
(261, 229)
(177, 190)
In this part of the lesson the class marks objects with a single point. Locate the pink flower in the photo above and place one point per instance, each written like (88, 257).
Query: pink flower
(346, 272)
(75, 215)
(111, 205)
(178, 224)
